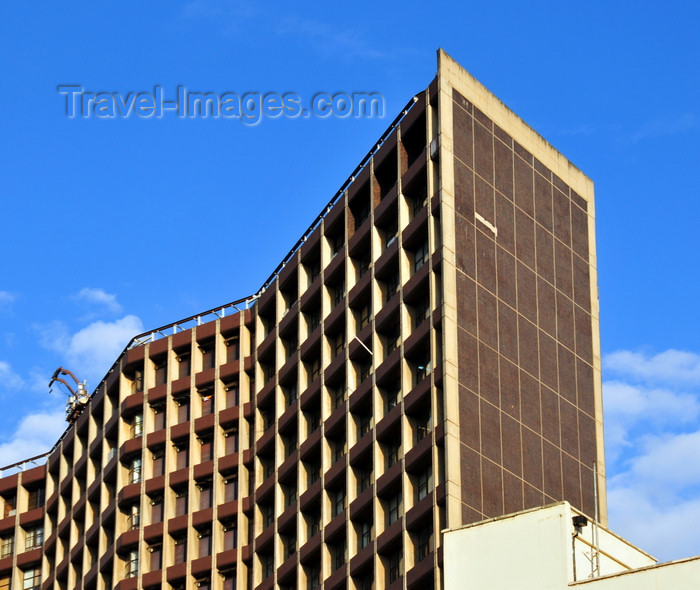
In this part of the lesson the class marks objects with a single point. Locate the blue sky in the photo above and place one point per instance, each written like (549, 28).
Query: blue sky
(111, 227)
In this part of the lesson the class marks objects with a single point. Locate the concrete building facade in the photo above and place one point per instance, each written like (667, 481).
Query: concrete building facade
(555, 548)
(426, 356)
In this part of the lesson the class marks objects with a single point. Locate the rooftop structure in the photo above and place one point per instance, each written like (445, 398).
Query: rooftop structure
(555, 548)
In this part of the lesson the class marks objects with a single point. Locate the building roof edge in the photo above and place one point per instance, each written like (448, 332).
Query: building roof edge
(466, 84)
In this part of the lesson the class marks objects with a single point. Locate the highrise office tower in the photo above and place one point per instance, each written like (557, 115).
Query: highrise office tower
(427, 355)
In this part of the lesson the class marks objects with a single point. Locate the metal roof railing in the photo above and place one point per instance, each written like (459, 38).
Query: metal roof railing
(24, 464)
(190, 322)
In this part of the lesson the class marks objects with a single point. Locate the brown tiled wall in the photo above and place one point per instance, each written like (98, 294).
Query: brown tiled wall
(524, 317)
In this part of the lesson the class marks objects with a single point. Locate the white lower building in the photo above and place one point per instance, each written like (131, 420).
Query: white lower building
(555, 548)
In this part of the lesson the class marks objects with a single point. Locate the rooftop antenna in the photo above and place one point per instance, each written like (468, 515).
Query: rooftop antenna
(595, 564)
(77, 395)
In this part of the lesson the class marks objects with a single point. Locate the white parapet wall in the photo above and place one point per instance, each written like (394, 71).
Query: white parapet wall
(683, 574)
(541, 549)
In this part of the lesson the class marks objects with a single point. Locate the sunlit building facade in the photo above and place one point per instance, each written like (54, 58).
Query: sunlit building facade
(425, 357)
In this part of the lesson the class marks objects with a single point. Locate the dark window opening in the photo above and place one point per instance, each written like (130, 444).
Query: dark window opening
(424, 543)
(180, 502)
(386, 173)
(232, 349)
(36, 498)
(158, 416)
(184, 364)
(231, 487)
(420, 256)
(231, 389)
(161, 369)
(207, 400)
(180, 552)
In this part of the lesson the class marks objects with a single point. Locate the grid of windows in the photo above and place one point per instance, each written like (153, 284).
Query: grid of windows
(34, 538)
(31, 579)
(137, 383)
(137, 425)
(393, 454)
(268, 565)
(394, 507)
(420, 256)
(395, 566)
(364, 479)
(131, 569)
(339, 501)
(339, 553)
(135, 470)
(289, 544)
(364, 534)
(424, 544)
(425, 483)
(134, 517)
(7, 545)
(342, 280)
(36, 498)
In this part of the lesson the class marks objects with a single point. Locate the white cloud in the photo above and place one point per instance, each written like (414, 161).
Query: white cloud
(633, 410)
(90, 352)
(669, 463)
(663, 127)
(667, 531)
(38, 379)
(633, 403)
(6, 299)
(96, 347)
(10, 380)
(652, 430)
(14, 385)
(53, 335)
(36, 434)
(673, 366)
(99, 297)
